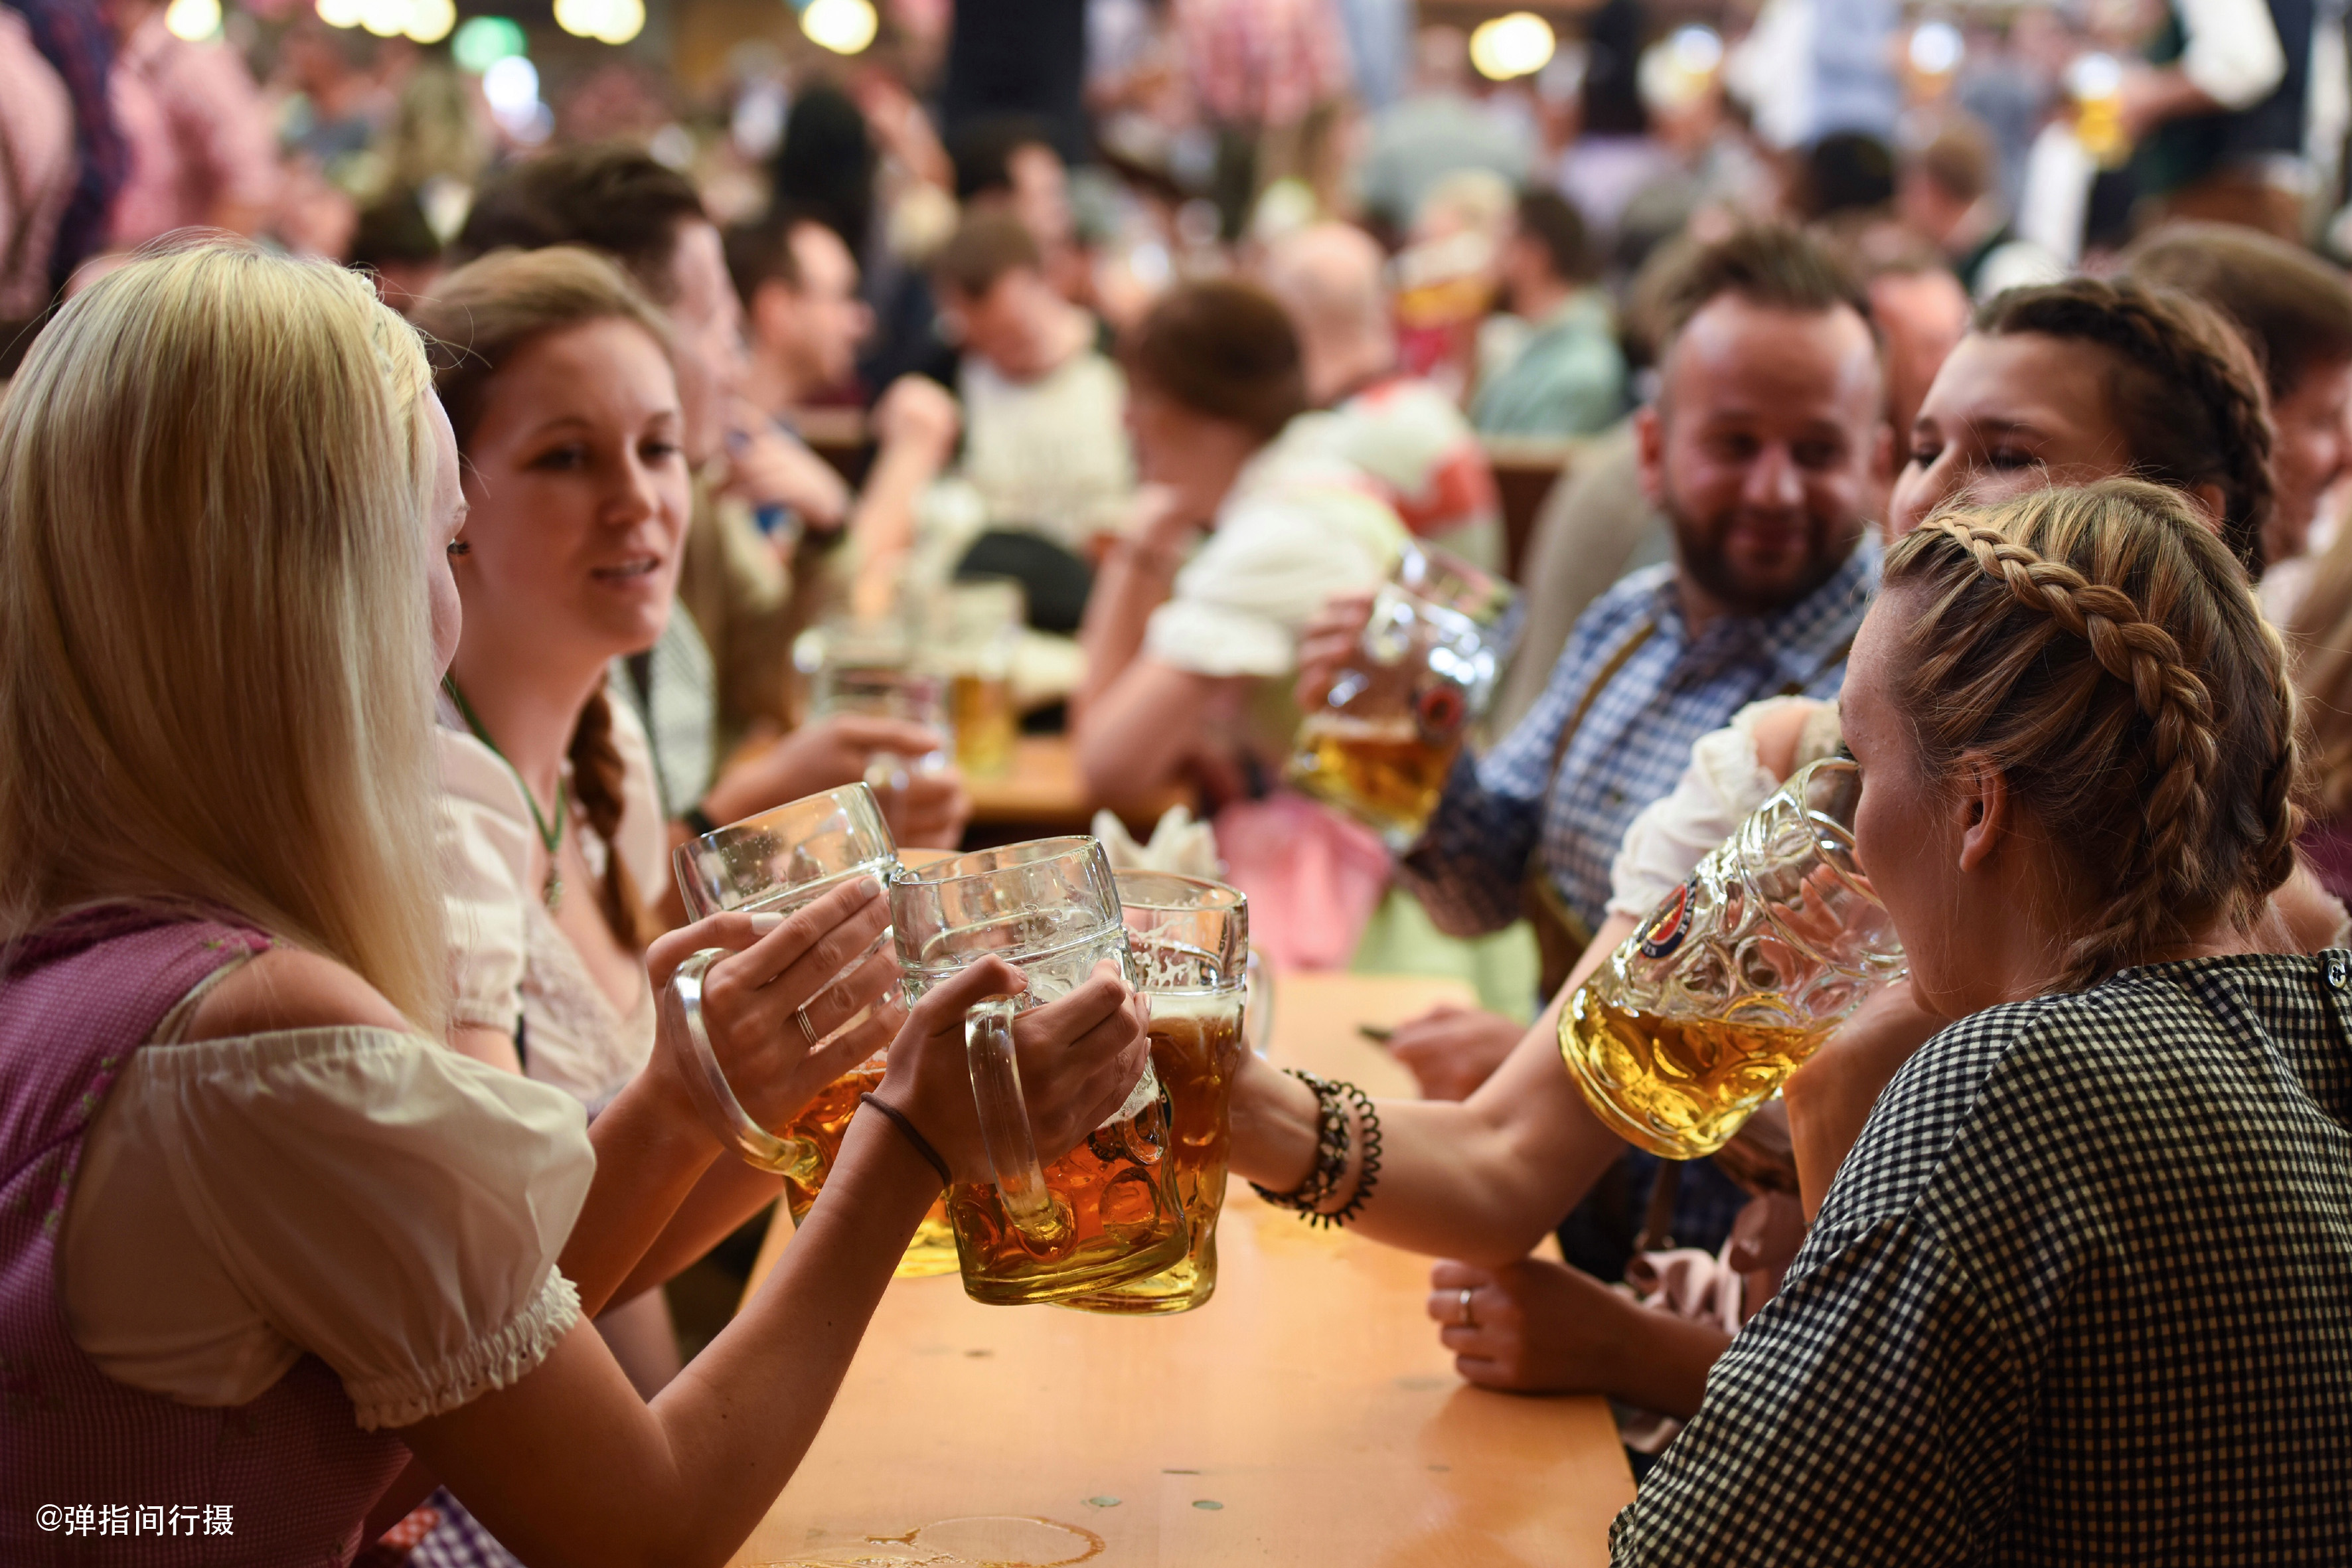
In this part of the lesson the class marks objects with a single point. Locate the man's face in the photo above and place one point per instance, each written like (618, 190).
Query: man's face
(819, 325)
(1010, 325)
(706, 323)
(1041, 193)
(1765, 449)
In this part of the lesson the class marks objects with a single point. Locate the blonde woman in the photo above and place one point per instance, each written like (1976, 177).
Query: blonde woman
(262, 1236)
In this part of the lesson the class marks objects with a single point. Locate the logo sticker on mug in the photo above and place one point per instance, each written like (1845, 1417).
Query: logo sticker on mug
(1665, 932)
(1440, 710)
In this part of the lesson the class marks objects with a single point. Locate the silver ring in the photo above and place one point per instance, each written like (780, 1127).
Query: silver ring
(1467, 1320)
(807, 1029)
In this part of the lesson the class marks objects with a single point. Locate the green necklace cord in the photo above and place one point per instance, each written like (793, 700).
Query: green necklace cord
(552, 892)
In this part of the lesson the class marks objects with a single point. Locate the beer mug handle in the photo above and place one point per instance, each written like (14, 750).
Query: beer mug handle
(706, 1080)
(1004, 1123)
(1257, 1015)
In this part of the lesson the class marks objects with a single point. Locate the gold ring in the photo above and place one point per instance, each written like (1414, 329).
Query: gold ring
(1467, 1320)
(807, 1028)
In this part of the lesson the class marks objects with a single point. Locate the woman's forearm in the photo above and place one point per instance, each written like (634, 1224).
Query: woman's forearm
(650, 1154)
(567, 1465)
(728, 1194)
(1134, 581)
(1481, 1180)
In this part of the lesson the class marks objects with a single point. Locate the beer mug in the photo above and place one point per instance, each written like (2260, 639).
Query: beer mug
(1108, 1211)
(1382, 742)
(1189, 941)
(777, 862)
(870, 667)
(1737, 977)
(976, 634)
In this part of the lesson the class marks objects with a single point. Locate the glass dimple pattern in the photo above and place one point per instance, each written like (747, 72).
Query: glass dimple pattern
(1774, 940)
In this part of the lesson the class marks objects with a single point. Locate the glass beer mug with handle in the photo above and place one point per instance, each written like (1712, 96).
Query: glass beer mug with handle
(1108, 1211)
(1189, 941)
(1383, 741)
(1737, 977)
(776, 862)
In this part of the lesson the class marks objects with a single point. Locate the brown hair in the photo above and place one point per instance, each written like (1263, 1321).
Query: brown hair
(1225, 350)
(2320, 636)
(1770, 264)
(984, 248)
(2186, 390)
(610, 196)
(2294, 309)
(2099, 647)
(1958, 159)
(480, 318)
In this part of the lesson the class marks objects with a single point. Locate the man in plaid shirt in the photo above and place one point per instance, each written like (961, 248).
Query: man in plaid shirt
(1766, 450)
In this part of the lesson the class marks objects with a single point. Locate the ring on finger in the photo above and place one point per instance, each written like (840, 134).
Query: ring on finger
(1468, 1321)
(809, 1031)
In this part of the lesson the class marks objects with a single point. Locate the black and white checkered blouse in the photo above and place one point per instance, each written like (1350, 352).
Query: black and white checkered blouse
(2081, 1294)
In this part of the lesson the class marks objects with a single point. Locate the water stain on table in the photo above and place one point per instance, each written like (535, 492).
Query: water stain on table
(975, 1540)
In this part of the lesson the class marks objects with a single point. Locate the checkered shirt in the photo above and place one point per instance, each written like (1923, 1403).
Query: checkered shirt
(2081, 1294)
(1633, 745)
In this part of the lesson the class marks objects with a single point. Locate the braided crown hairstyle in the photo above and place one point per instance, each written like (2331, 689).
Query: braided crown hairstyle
(2185, 389)
(480, 318)
(2099, 648)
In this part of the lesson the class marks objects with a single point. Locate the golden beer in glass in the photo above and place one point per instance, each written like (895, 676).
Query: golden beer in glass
(1108, 1211)
(822, 1126)
(776, 862)
(1737, 977)
(1380, 745)
(1189, 939)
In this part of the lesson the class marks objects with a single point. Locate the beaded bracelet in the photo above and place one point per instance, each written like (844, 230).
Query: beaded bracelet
(1332, 1144)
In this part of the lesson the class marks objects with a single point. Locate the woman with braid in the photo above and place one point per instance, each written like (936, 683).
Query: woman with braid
(2077, 1295)
(2069, 384)
(557, 384)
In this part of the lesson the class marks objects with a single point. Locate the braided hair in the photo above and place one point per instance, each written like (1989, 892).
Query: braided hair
(2099, 648)
(2186, 390)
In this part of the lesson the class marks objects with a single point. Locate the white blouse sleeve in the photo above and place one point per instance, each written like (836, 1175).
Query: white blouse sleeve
(370, 1198)
(1720, 785)
(486, 847)
(1238, 607)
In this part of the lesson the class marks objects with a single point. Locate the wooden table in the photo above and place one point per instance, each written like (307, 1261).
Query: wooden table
(1042, 794)
(1307, 1416)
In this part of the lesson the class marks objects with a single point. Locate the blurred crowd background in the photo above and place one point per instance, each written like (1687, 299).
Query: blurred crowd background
(1143, 140)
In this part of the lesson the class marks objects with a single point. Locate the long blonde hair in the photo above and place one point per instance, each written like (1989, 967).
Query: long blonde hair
(2100, 648)
(215, 665)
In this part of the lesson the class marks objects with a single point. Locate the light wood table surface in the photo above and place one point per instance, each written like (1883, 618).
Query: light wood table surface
(1307, 1416)
(1042, 789)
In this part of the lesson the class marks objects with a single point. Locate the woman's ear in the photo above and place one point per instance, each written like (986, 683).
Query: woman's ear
(1981, 810)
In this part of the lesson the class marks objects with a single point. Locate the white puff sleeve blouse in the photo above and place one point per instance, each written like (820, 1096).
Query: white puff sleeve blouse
(367, 1196)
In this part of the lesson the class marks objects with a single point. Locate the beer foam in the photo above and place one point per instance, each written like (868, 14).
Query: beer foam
(1199, 1005)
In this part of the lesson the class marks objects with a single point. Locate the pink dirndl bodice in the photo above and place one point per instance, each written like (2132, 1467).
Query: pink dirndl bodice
(293, 1467)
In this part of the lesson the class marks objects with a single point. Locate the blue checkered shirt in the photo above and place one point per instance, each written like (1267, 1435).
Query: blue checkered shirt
(1633, 745)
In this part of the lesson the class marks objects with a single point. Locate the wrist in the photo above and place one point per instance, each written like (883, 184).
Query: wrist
(1275, 1120)
(1147, 556)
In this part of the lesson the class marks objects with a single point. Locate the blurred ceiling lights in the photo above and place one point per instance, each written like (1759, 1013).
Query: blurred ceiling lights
(1518, 45)
(426, 21)
(606, 21)
(194, 20)
(1936, 49)
(483, 41)
(845, 26)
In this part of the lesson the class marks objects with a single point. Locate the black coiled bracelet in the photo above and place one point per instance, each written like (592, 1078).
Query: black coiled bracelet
(1332, 1144)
